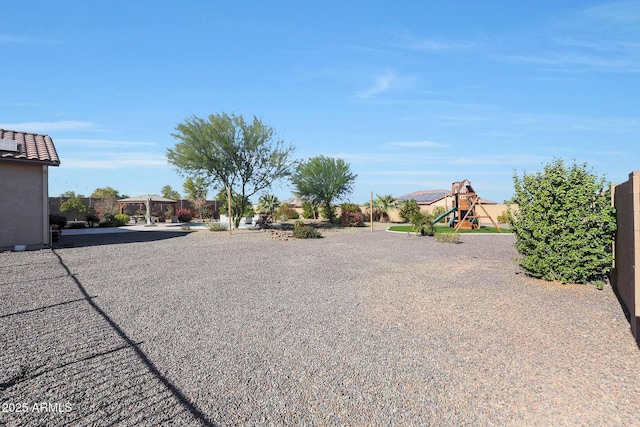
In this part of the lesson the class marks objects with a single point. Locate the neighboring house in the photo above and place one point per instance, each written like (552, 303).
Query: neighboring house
(24, 188)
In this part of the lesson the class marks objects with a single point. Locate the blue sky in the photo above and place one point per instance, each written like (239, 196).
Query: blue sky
(413, 94)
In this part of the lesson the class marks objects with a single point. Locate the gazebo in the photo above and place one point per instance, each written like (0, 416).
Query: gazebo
(149, 200)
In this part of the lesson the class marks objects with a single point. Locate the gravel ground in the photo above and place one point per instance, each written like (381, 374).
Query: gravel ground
(358, 328)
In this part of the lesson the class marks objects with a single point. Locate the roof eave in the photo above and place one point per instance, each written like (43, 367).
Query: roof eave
(29, 161)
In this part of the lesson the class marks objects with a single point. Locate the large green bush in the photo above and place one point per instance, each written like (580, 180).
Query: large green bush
(565, 223)
(407, 209)
(121, 219)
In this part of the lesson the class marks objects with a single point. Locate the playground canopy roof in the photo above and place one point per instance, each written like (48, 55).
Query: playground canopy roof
(144, 198)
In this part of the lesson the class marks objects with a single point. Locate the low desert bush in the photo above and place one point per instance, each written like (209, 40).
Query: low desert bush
(303, 231)
(351, 215)
(285, 212)
(184, 215)
(215, 226)
(447, 237)
(121, 219)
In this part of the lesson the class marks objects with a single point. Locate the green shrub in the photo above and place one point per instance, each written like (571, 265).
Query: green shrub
(309, 210)
(214, 226)
(91, 219)
(121, 219)
(328, 213)
(407, 209)
(302, 231)
(422, 223)
(565, 224)
(107, 223)
(503, 218)
(286, 212)
(439, 210)
(58, 220)
(447, 237)
(77, 225)
(351, 215)
(75, 206)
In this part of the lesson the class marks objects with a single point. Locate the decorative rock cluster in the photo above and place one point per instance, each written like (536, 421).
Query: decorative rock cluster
(279, 234)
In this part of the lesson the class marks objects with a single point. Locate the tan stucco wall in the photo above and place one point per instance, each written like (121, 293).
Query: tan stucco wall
(21, 196)
(492, 210)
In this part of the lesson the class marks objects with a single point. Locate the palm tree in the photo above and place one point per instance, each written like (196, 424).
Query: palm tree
(383, 204)
(268, 204)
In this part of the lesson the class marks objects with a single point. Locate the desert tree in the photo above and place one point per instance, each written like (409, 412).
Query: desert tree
(75, 206)
(169, 193)
(323, 180)
(195, 188)
(228, 151)
(106, 193)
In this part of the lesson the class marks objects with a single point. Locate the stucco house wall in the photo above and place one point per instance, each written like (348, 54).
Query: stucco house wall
(24, 188)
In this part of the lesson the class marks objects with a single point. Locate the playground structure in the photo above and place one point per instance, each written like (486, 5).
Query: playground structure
(464, 207)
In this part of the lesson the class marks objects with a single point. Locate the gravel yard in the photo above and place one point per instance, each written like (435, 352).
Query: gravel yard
(357, 328)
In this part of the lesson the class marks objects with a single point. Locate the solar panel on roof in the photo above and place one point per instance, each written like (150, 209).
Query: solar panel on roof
(425, 197)
(8, 145)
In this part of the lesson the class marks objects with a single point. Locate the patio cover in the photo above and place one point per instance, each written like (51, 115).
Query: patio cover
(149, 200)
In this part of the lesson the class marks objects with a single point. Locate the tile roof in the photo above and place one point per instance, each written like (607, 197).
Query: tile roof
(426, 196)
(32, 148)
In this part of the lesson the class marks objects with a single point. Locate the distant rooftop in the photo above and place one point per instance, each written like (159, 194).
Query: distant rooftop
(27, 148)
(428, 197)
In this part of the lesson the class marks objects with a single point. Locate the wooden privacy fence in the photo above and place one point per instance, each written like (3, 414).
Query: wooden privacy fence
(625, 276)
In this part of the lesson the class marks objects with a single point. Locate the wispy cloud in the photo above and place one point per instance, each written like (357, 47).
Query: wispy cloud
(428, 45)
(417, 144)
(48, 126)
(579, 61)
(602, 38)
(530, 122)
(403, 157)
(382, 83)
(616, 13)
(507, 160)
(9, 38)
(101, 142)
(116, 161)
(410, 172)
